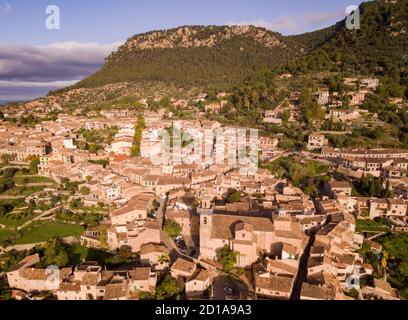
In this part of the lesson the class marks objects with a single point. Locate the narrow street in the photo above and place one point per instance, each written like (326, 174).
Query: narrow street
(302, 272)
(161, 211)
(168, 242)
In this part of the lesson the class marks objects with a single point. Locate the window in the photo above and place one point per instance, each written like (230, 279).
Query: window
(88, 287)
(205, 220)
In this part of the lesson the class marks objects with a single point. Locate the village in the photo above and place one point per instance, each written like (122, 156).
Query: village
(214, 230)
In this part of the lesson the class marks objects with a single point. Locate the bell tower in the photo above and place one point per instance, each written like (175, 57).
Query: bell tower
(206, 214)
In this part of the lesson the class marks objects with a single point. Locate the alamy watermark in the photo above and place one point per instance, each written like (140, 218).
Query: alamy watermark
(53, 18)
(353, 281)
(52, 22)
(53, 278)
(353, 17)
(230, 146)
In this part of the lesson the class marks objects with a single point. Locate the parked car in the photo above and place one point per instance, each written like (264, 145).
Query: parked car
(230, 291)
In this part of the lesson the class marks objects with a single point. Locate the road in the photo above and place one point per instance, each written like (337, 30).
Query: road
(220, 282)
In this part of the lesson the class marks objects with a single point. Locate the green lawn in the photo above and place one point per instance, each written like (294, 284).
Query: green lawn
(91, 209)
(78, 253)
(14, 203)
(36, 179)
(11, 221)
(4, 233)
(22, 191)
(50, 230)
(371, 225)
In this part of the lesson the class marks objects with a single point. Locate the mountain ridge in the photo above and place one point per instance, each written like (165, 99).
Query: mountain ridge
(224, 57)
(221, 56)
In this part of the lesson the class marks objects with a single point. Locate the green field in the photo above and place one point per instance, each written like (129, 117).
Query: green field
(371, 225)
(50, 230)
(396, 245)
(78, 253)
(22, 191)
(11, 221)
(32, 179)
(4, 233)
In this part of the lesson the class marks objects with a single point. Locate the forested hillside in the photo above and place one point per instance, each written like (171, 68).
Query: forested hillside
(380, 47)
(219, 57)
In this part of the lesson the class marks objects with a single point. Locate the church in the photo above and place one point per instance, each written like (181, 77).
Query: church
(249, 231)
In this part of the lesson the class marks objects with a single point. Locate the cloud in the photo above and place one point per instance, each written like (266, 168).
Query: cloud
(58, 61)
(50, 66)
(323, 17)
(31, 84)
(5, 8)
(26, 90)
(295, 24)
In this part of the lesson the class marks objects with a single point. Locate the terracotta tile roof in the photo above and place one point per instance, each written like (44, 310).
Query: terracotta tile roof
(316, 292)
(90, 279)
(201, 275)
(274, 283)
(172, 213)
(34, 274)
(224, 225)
(115, 291)
(290, 234)
(122, 211)
(27, 262)
(164, 180)
(184, 265)
(316, 249)
(152, 225)
(153, 248)
(70, 286)
(65, 273)
(141, 201)
(396, 201)
(140, 274)
(284, 265)
(244, 226)
(314, 262)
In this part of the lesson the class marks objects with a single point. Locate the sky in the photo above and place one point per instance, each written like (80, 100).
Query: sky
(35, 59)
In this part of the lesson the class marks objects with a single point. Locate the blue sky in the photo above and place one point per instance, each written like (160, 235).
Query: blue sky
(90, 29)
